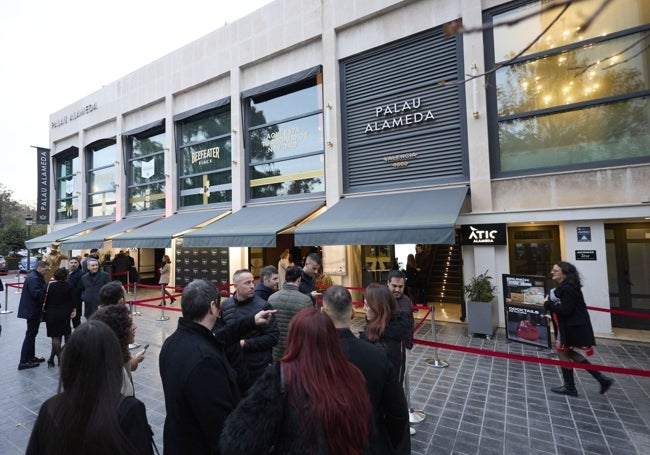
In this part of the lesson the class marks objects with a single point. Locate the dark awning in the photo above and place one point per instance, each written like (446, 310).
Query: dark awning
(160, 233)
(252, 226)
(58, 235)
(387, 219)
(95, 239)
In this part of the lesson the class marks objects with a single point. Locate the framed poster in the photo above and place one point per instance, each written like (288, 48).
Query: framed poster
(525, 316)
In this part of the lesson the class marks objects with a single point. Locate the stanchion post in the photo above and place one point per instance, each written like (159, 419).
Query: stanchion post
(134, 312)
(162, 315)
(5, 309)
(18, 288)
(435, 362)
(415, 415)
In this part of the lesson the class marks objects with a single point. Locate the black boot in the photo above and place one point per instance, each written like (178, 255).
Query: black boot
(604, 381)
(569, 387)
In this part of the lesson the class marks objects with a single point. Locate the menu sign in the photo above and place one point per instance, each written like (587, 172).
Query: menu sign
(525, 316)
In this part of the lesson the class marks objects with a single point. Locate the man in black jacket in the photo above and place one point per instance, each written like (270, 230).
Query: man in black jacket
(74, 278)
(91, 282)
(29, 308)
(258, 344)
(390, 412)
(199, 385)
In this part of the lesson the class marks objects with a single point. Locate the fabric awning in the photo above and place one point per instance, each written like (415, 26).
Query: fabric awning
(252, 226)
(95, 239)
(387, 219)
(58, 235)
(160, 233)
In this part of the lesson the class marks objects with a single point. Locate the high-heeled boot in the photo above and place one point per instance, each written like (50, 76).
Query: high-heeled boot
(604, 381)
(50, 361)
(569, 387)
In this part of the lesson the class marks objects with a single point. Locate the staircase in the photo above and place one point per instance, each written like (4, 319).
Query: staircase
(445, 274)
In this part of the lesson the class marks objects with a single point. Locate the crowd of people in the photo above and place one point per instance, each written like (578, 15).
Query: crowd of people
(270, 369)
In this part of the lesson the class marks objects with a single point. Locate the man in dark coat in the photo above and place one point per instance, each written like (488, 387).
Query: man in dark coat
(91, 282)
(258, 344)
(74, 278)
(199, 385)
(29, 308)
(288, 301)
(308, 277)
(396, 284)
(268, 284)
(120, 267)
(389, 408)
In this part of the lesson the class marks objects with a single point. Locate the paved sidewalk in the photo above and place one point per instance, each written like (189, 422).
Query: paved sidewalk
(478, 405)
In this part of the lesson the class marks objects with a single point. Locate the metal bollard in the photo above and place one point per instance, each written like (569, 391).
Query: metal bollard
(415, 415)
(6, 309)
(18, 288)
(435, 361)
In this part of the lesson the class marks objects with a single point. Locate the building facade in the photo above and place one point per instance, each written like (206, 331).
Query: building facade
(352, 126)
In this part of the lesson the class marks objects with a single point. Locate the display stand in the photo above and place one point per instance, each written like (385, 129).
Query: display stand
(435, 362)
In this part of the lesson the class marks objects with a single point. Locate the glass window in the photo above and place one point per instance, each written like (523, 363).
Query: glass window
(205, 156)
(101, 178)
(285, 141)
(576, 98)
(146, 175)
(67, 197)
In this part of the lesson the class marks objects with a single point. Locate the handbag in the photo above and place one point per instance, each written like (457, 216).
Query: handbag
(43, 314)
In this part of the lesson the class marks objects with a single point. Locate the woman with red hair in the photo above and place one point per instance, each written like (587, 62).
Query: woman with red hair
(311, 401)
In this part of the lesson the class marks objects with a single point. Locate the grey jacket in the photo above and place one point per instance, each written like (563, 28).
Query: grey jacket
(288, 301)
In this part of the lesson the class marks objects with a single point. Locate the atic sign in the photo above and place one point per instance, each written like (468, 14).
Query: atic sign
(483, 234)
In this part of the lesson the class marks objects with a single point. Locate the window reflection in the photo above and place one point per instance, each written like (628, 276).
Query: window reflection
(285, 141)
(67, 199)
(146, 185)
(580, 98)
(205, 158)
(101, 178)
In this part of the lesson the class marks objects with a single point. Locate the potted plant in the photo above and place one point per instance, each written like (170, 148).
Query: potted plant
(482, 309)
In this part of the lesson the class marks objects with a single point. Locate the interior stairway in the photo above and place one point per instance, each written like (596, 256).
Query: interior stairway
(445, 274)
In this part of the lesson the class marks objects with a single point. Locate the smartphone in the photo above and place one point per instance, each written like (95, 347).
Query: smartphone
(146, 346)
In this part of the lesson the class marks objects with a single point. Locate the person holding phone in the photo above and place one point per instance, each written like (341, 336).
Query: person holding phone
(118, 318)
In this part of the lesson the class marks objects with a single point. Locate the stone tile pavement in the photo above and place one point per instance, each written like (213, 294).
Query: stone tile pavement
(477, 405)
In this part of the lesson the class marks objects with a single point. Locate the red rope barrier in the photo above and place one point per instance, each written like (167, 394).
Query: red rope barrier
(621, 312)
(527, 358)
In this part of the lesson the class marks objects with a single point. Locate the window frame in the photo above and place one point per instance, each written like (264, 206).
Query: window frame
(128, 145)
(313, 79)
(494, 120)
(68, 154)
(90, 149)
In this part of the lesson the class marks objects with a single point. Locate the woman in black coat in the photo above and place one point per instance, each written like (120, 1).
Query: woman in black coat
(59, 309)
(386, 326)
(569, 311)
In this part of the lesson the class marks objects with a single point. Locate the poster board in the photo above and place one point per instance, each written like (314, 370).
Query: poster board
(525, 316)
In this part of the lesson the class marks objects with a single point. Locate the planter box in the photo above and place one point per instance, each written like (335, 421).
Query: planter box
(482, 318)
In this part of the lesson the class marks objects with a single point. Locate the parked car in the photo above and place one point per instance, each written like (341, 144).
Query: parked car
(22, 265)
(3, 265)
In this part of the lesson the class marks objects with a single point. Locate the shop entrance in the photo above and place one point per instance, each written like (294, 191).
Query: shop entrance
(628, 268)
(533, 249)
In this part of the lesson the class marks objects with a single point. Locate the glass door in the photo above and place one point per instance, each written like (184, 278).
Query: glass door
(628, 268)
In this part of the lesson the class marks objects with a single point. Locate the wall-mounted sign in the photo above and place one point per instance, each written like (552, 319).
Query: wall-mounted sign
(584, 234)
(483, 234)
(87, 109)
(402, 113)
(585, 255)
